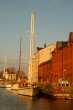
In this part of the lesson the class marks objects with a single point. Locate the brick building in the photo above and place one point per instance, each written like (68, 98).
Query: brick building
(44, 72)
(62, 61)
(44, 63)
(60, 65)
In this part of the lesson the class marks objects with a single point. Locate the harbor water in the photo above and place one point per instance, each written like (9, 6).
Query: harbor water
(11, 101)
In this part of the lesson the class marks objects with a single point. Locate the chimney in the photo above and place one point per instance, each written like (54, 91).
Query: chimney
(70, 37)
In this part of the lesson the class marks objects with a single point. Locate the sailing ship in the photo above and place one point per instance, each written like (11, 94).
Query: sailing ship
(31, 89)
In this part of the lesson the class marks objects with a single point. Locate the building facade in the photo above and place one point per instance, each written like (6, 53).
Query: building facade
(44, 63)
(9, 74)
(62, 61)
(59, 66)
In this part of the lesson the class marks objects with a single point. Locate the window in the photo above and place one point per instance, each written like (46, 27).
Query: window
(67, 85)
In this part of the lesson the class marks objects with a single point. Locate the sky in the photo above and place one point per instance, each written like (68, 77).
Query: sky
(54, 21)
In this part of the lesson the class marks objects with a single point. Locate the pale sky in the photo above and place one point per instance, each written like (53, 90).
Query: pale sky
(54, 21)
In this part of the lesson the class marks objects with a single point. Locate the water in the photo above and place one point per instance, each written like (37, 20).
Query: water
(10, 101)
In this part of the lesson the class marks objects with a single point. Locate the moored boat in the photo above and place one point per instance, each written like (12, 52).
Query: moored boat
(26, 91)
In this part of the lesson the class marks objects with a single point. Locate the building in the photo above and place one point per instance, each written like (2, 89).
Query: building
(62, 61)
(9, 74)
(44, 63)
(55, 62)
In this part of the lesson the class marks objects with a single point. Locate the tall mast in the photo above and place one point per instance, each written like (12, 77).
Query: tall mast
(5, 66)
(5, 58)
(20, 53)
(32, 35)
(5, 63)
(31, 48)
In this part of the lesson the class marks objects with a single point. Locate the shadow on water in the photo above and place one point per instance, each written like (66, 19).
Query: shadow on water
(45, 103)
(45, 95)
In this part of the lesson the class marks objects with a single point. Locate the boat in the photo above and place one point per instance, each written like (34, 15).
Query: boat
(26, 91)
(8, 86)
(5, 85)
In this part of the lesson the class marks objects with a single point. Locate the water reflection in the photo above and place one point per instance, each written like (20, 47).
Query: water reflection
(45, 104)
(35, 104)
(10, 101)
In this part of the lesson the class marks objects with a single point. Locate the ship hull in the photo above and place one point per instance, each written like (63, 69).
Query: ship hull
(26, 91)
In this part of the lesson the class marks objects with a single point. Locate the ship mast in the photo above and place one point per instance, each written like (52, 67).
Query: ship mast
(5, 61)
(32, 35)
(20, 54)
(5, 66)
(31, 75)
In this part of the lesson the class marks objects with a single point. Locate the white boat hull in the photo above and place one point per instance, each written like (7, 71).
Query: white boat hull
(26, 91)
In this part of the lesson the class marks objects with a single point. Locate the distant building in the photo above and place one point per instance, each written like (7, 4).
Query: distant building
(9, 74)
